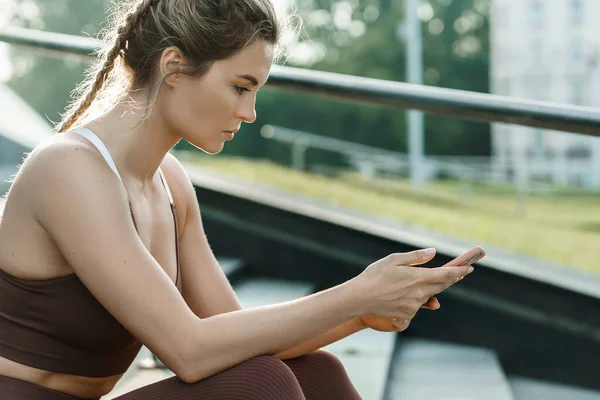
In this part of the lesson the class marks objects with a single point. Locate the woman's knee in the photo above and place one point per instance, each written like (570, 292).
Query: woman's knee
(323, 376)
(271, 378)
(271, 365)
(323, 360)
(318, 365)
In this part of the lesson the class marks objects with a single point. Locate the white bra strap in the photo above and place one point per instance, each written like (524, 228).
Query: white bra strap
(95, 140)
(166, 185)
(92, 137)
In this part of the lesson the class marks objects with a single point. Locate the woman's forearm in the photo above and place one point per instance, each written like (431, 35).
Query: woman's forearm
(225, 340)
(338, 333)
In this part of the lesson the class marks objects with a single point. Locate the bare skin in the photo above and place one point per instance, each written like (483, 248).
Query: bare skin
(45, 233)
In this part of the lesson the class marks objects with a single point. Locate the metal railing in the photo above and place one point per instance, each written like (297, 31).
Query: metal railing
(450, 102)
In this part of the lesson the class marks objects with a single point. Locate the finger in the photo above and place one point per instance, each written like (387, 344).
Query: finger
(437, 287)
(429, 303)
(432, 304)
(450, 274)
(416, 257)
(401, 324)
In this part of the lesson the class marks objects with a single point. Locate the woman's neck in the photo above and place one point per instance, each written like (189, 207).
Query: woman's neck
(137, 144)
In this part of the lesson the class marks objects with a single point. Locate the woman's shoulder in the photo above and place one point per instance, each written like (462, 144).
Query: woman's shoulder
(58, 150)
(177, 178)
(173, 168)
(62, 163)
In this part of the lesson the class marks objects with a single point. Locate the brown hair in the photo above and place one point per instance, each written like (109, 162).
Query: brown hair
(139, 31)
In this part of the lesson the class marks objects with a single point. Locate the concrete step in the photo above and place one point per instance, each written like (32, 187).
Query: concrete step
(532, 389)
(367, 356)
(433, 370)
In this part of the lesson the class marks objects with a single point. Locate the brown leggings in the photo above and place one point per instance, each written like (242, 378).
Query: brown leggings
(316, 376)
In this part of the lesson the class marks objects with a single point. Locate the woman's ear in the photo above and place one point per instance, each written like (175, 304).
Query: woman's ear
(171, 61)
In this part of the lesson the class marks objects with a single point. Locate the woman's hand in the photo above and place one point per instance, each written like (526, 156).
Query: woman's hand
(393, 293)
(383, 324)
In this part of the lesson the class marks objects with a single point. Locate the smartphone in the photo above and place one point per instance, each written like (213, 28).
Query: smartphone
(468, 258)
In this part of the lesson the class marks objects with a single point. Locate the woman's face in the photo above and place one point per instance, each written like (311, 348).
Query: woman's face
(207, 111)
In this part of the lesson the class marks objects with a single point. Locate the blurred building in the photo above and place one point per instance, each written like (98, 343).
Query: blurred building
(546, 50)
(21, 129)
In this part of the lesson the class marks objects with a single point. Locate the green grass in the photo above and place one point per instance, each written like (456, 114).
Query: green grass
(562, 227)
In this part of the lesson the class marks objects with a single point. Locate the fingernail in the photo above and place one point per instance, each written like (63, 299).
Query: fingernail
(471, 269)
(429, 252)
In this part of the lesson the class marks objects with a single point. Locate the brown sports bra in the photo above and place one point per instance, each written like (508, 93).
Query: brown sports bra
(57, 324)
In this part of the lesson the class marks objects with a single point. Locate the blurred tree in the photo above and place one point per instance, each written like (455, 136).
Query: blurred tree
(456, 55)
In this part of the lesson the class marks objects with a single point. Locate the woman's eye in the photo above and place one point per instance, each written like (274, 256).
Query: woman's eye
(241, 89)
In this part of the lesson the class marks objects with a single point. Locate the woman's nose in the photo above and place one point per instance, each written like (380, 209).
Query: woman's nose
(247, 112)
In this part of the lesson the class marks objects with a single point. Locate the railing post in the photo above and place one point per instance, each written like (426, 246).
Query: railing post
(522, 181)
(414, 74)
(298, 154)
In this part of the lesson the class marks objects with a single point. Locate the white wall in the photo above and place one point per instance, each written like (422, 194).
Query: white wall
(546, 50)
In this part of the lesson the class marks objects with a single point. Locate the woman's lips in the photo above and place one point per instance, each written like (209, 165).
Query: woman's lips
(228, 135)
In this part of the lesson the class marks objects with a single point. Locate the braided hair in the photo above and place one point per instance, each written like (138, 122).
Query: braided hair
(106, 65)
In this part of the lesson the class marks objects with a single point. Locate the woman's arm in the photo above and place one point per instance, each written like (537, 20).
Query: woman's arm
(338, 333)
(206, 288)
(83, 206)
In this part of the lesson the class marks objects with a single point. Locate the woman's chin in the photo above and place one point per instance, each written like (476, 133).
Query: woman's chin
(209, 148)
(212, 152)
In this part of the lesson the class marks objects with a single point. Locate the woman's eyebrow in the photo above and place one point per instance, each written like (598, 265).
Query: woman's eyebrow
(250, 78)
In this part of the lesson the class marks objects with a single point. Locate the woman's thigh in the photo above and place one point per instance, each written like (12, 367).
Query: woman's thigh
(264, 377)
(316, 376)
(20, 390)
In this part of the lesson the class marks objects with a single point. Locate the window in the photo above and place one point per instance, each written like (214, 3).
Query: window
(501, 15)
(538, 143)
(502, 86)
(536, 51)
(537, 13)
(577, 91)
(538, 86)
(576, 11)
(575, 48)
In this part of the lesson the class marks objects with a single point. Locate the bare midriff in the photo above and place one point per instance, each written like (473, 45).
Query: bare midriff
(78, 386)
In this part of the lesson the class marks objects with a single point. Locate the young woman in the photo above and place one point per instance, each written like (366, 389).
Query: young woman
(102, 247)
